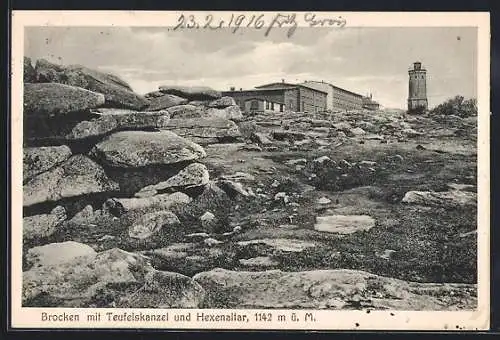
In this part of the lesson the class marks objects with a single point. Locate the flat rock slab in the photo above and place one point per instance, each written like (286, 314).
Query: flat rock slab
(204, 130)
(222, 102)
(38, 160)
(344, 224)
(452, 199)
(79, 175)
(281, 244)
(165, 101)
(120, 206)
(52, 99)
(329, 289)
(54, 254)
(191, 93)
(129, 149)
(259, 262)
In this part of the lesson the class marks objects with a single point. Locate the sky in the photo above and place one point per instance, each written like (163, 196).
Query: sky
(362, 60)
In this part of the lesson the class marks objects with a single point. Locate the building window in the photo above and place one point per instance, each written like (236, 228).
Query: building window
(267, 105)
(254, 105)
(272, 106)
(281, 107)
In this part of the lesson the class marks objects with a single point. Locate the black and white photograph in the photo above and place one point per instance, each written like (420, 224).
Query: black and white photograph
(221, 168)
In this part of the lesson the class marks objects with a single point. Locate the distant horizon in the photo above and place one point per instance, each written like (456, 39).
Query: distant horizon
(360, 60)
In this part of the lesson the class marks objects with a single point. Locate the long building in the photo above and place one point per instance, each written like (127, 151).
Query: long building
(337, 98)
(289, 97)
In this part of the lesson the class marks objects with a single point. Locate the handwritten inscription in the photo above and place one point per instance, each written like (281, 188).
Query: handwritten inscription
(257, 21)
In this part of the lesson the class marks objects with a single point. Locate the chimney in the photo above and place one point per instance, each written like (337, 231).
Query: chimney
(241, 88)
(282, 80)
(232, 88)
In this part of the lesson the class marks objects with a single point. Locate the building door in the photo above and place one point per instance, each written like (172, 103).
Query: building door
(254, 105)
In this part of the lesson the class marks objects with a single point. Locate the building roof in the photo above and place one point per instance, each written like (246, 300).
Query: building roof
(260, 90)
(289, 86)
(335, 87)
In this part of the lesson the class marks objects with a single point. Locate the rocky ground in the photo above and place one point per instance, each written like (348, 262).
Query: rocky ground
(177, 199)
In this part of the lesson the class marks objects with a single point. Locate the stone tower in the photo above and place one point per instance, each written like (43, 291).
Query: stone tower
(417, 89)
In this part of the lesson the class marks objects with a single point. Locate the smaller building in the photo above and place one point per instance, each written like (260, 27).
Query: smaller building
(370, 104)
(257, 105)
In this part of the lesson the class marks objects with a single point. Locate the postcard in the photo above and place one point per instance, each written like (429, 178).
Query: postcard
(250, 170)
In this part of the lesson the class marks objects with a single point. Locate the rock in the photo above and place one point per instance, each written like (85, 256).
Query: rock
(288, 135)
(296, 161)
(222, 102)
(193, 175)
(38, 160)
(208, 221)
(212, 199)
(77, 176)
(212, 242)
(367, 163)
(357, 131)
(342, 126)
(112, 120)
(282, 196)
(231, 112)
(463, 187)
(184, 111)
(321, 123)
(42, 226)
(445, 199)
(197, 236)
(324, 200)
(412, 133)
(29, 74)
(344, 224)
(232, 188)
(165, 101)
(117, 93)
(152, 225)
(258, 262)
(84, 216)
(55, 254)
(166, 290)
(281, 244)
(120, 206)
(191, 93)
(420, 147)
(53, 99)
(93, 280)
(129, 149)
(204, 130)
(153, 94)
(329, 289)
(367, 126)
(239, 177)
(260, 138)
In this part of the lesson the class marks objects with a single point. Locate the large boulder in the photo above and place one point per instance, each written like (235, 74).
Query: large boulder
(185, 111)
(329, 289)
(54, 254)
(204, 131)
(193, 175)
(153, 225)
(92, 280)
(77, 176)
(222, 102)
(130, 149)
(38, 160)
(29, 74)
(231, 112)
(58, 99)
(39, 227)
(111, 120)
(191, 93)
(165, 101)
(116, 91)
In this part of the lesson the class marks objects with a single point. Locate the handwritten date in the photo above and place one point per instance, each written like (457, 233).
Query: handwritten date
(236, 22)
